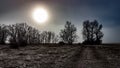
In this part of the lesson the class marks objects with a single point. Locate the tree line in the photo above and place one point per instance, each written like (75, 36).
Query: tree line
(22, 34)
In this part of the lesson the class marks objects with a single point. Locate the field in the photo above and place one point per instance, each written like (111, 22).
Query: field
(67, 56)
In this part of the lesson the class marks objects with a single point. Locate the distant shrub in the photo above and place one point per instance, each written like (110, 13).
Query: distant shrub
(86, 42)
(17, 45)
(14, 46)
(79, 43)
(61, 43)
(22, 43)
(98, 42)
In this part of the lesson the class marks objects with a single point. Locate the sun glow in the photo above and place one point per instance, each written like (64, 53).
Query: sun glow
(40, 15)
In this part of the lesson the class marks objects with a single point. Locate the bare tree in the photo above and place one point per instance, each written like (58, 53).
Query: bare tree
(23, 34)
(13, 34)
(33, 36)
(18, 33)
(22, 30)
(68, 35)
(92, 33)
(48, 37)
(3, 33)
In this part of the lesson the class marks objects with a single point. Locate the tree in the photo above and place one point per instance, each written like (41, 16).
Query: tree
(23, 34)
(33, 36)
(92, 33)
(68, 34)
(22, 31)
(3, 33)
(18, 33)
(48, 37)
(13, 34)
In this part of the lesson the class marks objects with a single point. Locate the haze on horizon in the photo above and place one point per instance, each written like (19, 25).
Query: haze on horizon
(105, 12)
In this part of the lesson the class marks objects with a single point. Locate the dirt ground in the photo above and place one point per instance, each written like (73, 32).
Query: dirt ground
(67, 56)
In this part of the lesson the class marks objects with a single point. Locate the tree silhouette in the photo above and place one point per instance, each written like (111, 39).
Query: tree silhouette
(33, 36)
(92, 33)
(22, 31)
(68, 35)
(13, 34)
(22, 34)
(3, 33)
(48, 37)
(18, 33)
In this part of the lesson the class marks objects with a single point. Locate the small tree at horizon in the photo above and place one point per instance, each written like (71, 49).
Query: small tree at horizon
(18, 33)
(68, 34)
(48, 37)
(3, 33)
(92, 33)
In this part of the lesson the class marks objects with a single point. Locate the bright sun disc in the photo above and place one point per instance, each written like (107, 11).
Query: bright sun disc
(40, 15)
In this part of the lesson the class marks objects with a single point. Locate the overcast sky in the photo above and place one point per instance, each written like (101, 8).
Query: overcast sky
(60, 11)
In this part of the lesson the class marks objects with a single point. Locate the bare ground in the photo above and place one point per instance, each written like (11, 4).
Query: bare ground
(41, 56)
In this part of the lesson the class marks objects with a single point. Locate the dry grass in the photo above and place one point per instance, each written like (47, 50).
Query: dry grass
(37, 56)
(42, 56)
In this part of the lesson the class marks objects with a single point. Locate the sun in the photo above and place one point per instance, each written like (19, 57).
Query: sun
(40, 15)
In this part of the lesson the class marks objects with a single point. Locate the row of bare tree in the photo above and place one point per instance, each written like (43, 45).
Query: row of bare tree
(23, 34)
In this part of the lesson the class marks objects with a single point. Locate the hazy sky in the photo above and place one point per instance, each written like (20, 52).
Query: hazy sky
(60, 11)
